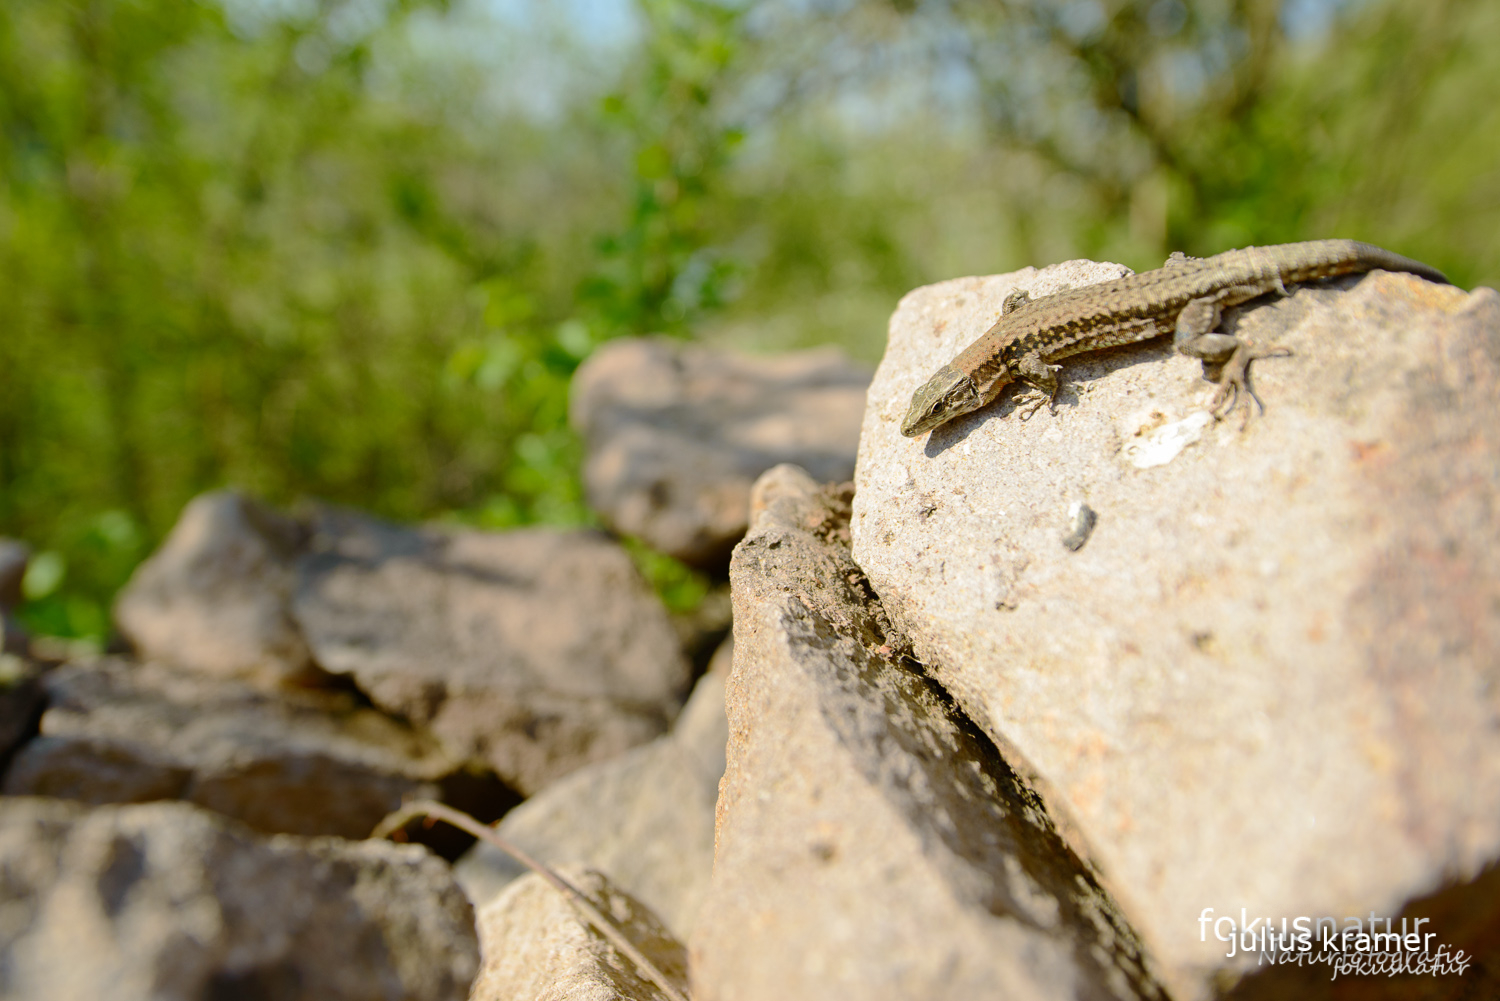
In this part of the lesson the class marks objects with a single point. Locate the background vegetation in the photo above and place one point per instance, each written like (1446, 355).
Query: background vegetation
(354, 249)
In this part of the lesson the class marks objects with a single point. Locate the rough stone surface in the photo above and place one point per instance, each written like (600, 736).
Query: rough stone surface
(14, 556)
(1270, 679)
(170, 902)
(537, 947)
(115, 732)
(646, 818)
(677, 433)
(215, 597)
(536, 651)
(870, 843)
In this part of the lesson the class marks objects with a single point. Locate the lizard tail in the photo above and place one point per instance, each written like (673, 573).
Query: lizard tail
(1326, 258)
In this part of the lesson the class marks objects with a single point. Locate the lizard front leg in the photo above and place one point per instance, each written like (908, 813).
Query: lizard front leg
(1041, 377)
(1017, 298)
(1022, 297)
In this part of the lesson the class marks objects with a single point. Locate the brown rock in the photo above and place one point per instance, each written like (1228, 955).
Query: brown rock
(168, 901)
(21, 702)
(216, 596)
(536, 947)
(536, 651)
(677, 433)
(312, 764)
(870, 843)
(1270, 679)
(646, 817)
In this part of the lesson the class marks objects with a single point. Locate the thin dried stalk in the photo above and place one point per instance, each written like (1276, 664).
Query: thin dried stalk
(604, 925)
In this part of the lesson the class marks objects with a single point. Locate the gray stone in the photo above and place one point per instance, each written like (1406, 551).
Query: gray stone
(21, 701)
(536, 946)
(312, 763)
(171, 902)
(536, 651)
(870, 843)
(646, 818)
(14, 640)
(14, 556)
(677, 433)
(1270, 679)
(216, 596)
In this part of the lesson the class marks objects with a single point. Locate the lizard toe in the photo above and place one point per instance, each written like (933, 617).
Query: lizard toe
(1234, 382)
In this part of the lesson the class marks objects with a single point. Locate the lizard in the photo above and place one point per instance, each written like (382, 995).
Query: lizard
(1186, 296)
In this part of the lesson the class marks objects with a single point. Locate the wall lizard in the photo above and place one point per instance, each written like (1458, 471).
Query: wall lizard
(1185, 295)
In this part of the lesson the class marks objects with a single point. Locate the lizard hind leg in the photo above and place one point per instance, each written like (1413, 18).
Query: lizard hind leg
(1196, 338)
(1194, 334)
(1234, 381)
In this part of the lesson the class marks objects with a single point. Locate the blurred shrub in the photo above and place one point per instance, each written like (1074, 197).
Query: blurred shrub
(288, 251)
(304, 247)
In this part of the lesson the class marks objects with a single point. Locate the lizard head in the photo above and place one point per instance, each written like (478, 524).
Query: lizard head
(945, 396)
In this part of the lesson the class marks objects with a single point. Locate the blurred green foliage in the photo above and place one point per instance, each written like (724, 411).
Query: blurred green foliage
(680, 586)
(304, 248)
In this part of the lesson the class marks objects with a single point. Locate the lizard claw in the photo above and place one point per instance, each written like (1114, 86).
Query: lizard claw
(1042, 378)
(1234, 379)
(1042, 399)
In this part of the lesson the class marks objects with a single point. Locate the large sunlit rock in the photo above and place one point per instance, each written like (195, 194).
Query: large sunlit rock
(1268, 682)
